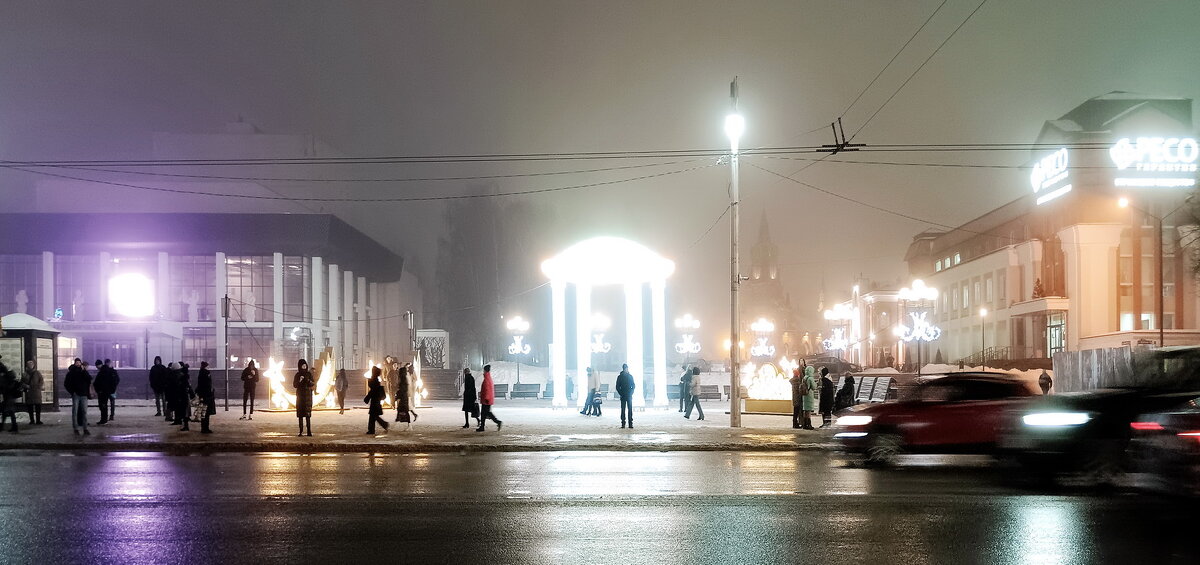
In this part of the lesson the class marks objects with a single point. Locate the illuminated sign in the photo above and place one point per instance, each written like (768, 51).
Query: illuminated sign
(837, 341)
(518, 346)
(1156, 154)
(921, 329)
(761, 349)
(688, 345)
(1049, 171)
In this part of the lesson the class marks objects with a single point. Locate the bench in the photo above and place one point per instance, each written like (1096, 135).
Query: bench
(501, 390)
(549, 391)
(865, 386)
(710, 392)
(673, 392)
(525, 390)
(604, 390)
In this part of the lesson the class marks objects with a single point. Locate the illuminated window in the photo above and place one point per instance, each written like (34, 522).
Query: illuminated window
(198, 274)
(77, 286)
(17, 273)
(957, 258)
(199, 344)
(297, 289)
(250, 286)
(966, 297)
(938, 265)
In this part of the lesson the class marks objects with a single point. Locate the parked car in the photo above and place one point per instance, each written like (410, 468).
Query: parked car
(1083, 438)
(952, 413)
(1165, 450)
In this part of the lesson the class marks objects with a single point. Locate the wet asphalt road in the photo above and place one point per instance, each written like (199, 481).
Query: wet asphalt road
(570, 507)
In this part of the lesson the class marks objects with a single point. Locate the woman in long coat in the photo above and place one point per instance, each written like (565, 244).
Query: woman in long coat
(183, 397)
(470, 406)
(797, 398)
(808, 402)
(375, 396)
(403, 399)
(208, 397)
(303, 382)
(33, 396)
(826, 400)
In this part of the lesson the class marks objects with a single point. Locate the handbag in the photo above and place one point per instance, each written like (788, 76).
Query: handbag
(475, 410)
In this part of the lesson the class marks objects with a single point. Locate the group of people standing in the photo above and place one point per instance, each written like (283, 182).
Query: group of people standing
(80, 385)
(177, 400)
(394, 376)
(689, 393)
(625, 386)
(806, 391)
(14, 388)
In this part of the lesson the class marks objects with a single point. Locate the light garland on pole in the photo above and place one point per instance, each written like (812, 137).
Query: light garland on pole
(688, 325)
(601, 323)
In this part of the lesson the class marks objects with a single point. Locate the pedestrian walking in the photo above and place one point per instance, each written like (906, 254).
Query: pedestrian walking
(250, 378)
(78, 383)
(158, 383)
(589, 402)
(826, 401)
(845, 395)
(11, 388)
(374, 400)
(170, 386)
(340, 385)
(797, 382)
(808, 400)
(207, 395)
(35, 384)
(625, 387)
(685, 387)
(596, 397)
(387, 376)
(487, 397)
(403, 400)
(303, 382)
(184, 394)
(694, 396)
(470, 405)
(106, 389)
(1045, 382)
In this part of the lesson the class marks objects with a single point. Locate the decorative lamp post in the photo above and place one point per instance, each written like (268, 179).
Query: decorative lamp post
(763, 327)
(519, 327)
(842, 314)
(735, 126)
(921, 330)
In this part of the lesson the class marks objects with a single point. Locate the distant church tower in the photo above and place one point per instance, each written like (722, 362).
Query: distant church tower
(764, 294)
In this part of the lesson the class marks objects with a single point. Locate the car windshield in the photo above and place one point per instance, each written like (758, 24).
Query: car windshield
(965, 389)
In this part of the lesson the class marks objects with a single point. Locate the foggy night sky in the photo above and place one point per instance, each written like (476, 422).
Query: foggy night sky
(96, 80)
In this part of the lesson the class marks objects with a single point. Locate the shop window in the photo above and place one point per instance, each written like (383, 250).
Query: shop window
(200, 344)
(21, 284)
(193, 288)
(251, 287)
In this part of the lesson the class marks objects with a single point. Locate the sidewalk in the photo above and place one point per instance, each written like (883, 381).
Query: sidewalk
(529, 425)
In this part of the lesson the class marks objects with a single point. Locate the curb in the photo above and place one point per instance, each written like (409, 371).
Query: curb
(292, 447)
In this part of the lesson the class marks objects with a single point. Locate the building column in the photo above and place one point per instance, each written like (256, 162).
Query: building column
(658, 309)
(349, 316)
(634, 343)
(558, 347)
(583, 339)
(362, 313)
(277, 306)
(47, 285)
(221, 290)
(162, 288)
(1090, 254)
(375, 311)
(105, 273)
(335, 316)
(318, 303)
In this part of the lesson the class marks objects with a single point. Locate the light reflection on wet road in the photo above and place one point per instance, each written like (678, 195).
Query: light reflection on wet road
(575, 507)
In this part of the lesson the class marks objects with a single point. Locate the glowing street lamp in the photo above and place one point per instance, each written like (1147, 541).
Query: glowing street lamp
(761, 348)
(519, 327)
(600, 324)
(688, 325)
(735, 126)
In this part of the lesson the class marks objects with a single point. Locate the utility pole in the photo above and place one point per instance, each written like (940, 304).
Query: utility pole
(225, 362)
(734, 126)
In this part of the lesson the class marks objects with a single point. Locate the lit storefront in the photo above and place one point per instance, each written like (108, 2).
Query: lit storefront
(1091, 257)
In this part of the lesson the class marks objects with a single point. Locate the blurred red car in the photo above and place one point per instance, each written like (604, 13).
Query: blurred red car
(952, 413)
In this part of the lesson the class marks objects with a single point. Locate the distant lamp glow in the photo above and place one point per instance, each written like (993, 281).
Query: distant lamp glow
(921, 329)
(763, 325)
(131, 294)
(918, 291)
(837, 341)
(983, 312)
(1122, 202)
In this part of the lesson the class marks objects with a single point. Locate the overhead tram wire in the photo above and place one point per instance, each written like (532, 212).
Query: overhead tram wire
(914, 73)
(358, 200)
(892, 60)
(880, 208)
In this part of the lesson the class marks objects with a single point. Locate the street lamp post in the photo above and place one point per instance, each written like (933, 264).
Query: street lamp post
(983, 312)
(735, 125)
(921, 329)
(518, 347)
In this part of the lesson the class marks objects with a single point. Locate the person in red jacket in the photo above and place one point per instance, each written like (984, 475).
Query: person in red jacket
(487, 397)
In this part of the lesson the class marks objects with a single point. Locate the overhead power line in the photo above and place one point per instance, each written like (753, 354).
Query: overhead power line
(892, 60)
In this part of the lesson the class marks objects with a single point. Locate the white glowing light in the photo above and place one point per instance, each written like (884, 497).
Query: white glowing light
(599, 345)
(763, 325)
(854, 420)
(768, 382)
(837, 341)
(1056, 419)
(921, 329)
(518, 346)
(735, 126)
(1054, 194)
(688, 345)
(131, 294)
(600, 322)
(841, 311)
(607, 260)
(687, 322)
(518, 325)
(761, 349)
(918, 291)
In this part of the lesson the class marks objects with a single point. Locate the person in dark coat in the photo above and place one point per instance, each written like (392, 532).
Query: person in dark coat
(170, 386)
(685, 386)
(625, 387)
(78, 384)
(487, 397)
(403, 398)
(589, 401)
(797, 398)
(249, 386)
(36, 383)
(11, 388)
(208, 397)
(845, 395)
(341, 384)
(470, 405)
(374, 399)
(183, 398)
(304, 382)
(158, 381)
(106, 389)
(693, 396)
(1045, 382)
(826, 400)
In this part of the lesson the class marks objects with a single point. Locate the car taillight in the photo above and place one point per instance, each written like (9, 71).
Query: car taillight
(1146, 426)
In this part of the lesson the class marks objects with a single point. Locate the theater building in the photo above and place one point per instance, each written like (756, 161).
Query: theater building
(1097, 254)
(130, 286)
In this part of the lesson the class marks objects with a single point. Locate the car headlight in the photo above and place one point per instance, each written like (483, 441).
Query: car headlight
(854, 420)
(1056, 419)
